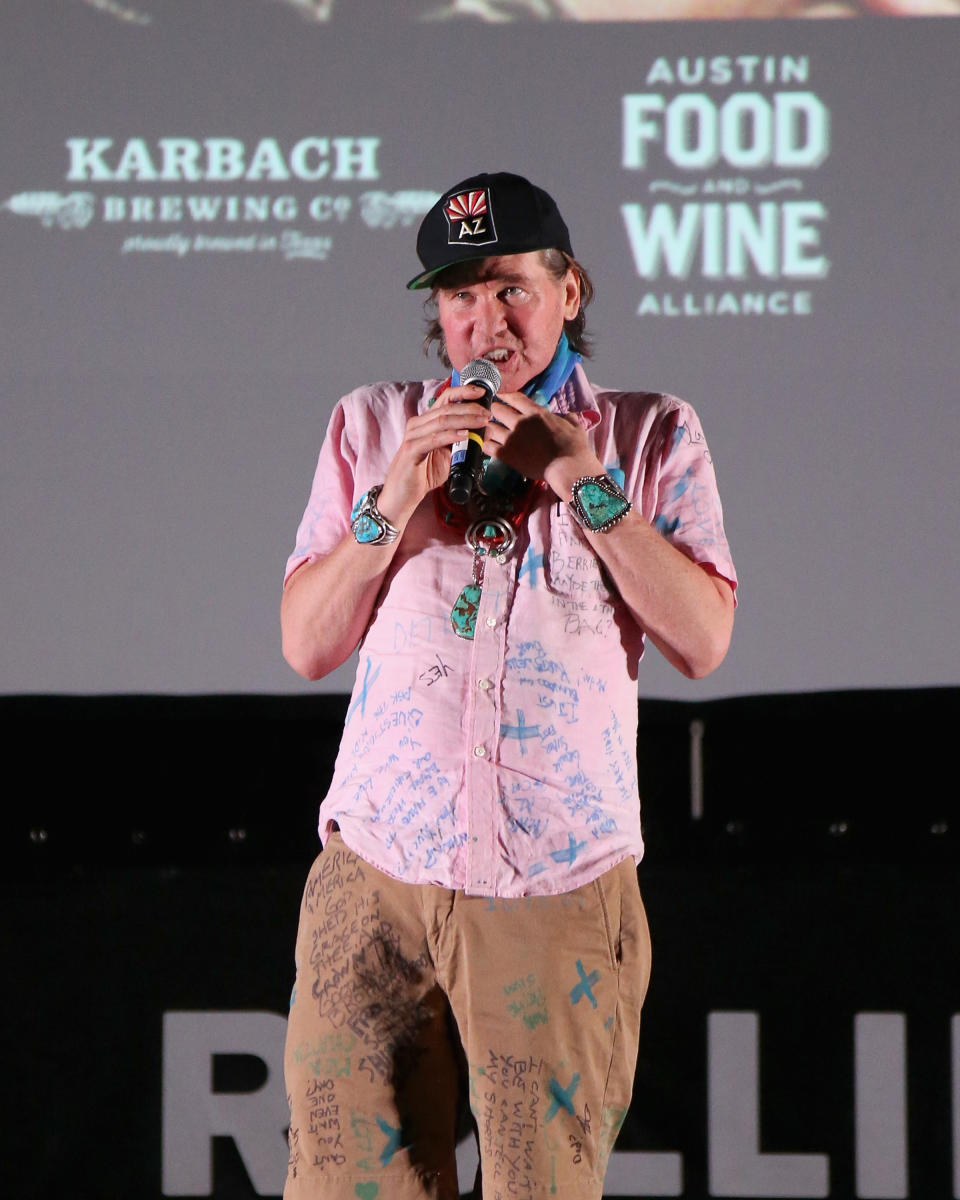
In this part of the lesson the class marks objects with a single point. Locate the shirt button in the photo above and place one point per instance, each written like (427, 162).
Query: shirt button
(484, 685)
(480, 751)
(491, 621)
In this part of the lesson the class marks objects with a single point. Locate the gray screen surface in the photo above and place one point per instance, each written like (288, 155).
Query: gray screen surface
(208, 217)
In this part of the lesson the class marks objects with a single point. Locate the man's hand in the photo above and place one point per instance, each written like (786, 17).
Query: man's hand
(539, 443)
(422, 462)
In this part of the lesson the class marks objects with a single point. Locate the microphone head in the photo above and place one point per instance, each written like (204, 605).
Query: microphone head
(483, 373)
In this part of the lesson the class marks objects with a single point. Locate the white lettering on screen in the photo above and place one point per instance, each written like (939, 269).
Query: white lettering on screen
(193, 1113)
(171, 160)
(747, 130)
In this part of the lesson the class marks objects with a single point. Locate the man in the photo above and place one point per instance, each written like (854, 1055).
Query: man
(475, 914)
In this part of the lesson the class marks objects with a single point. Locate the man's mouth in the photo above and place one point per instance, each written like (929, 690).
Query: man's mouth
(498, 355)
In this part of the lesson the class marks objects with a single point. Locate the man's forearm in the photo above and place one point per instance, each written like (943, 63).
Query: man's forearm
(327, 605)
(685, 611)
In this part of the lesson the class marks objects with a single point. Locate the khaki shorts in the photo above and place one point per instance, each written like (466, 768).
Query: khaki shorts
(409, 996)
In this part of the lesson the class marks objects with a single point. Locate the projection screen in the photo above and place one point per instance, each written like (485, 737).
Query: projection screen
(208, 214)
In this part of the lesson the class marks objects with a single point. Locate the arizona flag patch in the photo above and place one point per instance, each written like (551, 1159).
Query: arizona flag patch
(470, 218)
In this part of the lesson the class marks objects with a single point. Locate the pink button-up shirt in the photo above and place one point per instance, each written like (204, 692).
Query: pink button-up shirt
(505, 765)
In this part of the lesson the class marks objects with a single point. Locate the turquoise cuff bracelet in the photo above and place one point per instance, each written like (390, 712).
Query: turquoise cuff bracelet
(370, 527)
(598, 503)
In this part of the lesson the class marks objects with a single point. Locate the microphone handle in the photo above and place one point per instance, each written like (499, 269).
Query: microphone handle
(466, 460)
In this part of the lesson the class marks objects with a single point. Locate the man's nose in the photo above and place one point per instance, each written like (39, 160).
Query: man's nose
(492, 317)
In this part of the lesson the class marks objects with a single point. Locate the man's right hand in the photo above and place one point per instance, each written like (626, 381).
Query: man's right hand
(422, 462)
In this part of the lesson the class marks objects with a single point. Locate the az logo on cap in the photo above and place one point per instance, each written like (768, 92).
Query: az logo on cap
(470, 218)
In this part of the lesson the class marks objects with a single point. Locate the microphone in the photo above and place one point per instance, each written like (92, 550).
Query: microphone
(466, 457)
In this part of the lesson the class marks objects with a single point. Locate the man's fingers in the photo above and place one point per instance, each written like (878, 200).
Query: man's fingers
(463, 393)
(517, 402)
(448, 424)
(466, 410)
(440, 434)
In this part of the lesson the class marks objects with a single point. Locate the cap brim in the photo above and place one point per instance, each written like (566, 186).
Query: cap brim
(425, 278)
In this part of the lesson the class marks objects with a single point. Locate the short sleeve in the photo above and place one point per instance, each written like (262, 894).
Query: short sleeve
(326, 520)
(688, 511)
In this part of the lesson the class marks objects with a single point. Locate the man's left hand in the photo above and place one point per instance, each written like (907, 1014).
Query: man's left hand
(539, 443)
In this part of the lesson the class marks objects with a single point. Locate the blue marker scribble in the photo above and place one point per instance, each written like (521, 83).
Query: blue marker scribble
(569, 854)
(521, 731)
(531, 564)
(682, 484)
(585, 986)
(393, 1141)
(368, 681)
(665, 527)
(561, 1097)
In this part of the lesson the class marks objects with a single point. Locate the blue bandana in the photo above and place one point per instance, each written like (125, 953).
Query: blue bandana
(543, 387)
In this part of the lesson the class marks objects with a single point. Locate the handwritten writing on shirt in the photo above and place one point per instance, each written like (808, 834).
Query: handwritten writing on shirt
(619, 755)
(578, 587)
(532, 667)
(435, 671)
(388, 721)
(519, 810)
(692, 511)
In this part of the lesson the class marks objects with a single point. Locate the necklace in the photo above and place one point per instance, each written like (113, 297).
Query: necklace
(489, 523)
(502, 499)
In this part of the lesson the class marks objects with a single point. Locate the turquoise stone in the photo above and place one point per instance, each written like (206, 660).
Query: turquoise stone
(463, 615)
(367, 529)
(599, 506)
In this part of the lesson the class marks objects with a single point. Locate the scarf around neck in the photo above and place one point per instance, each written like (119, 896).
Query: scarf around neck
(543, 387)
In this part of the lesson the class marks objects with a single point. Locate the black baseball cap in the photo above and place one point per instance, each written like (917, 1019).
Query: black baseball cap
(485, 216)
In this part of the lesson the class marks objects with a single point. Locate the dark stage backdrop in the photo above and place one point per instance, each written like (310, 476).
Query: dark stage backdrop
(802, 1032)
(207, 215)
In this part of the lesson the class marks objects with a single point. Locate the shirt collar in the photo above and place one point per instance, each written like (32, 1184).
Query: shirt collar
(576, 396)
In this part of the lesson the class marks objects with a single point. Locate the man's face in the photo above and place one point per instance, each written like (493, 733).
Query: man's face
(513, 316)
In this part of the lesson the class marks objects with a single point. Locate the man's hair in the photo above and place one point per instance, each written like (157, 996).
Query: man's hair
(556, 262)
